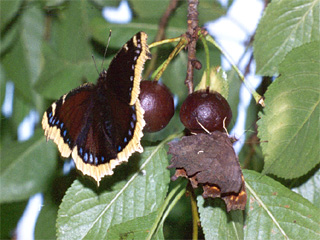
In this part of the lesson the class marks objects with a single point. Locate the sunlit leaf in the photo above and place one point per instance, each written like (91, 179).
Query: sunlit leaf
(275, 212)
(289, 126)
(272, 212)
(286, 24)
(217, 82)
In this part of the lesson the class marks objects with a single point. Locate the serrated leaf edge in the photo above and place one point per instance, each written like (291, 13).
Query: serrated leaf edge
(262, 70)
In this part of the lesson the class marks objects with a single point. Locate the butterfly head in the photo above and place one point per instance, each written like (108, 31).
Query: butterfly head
(103, 73)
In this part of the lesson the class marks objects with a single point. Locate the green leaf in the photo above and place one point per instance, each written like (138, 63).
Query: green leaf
(109, 3)
(153, 10)
(20, 110)
(250, 156)
(88, 213)
(53, 3)
(123, 32)
(289, 127)
(68, 61)
(26, 168)
(217, 81)
(26, 52)
(9, 38)
(275, 212)
(3, 82)
(286, 24)
(46, 222)
(216, 222)
(173, 77)
(137, 228)
(310, 189)
(272, 212)
(32, 30)
(234, 83)
(9, 217)
(70, 36)
(120, 32)
(8, 10)
(173, 127)
(209, 10)
(60, 76)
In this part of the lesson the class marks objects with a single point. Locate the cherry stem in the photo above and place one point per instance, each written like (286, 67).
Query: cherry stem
(158, 73)
(257, 97)
(164, 41)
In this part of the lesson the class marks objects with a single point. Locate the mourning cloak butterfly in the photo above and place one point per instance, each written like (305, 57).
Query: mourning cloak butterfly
(101, 125)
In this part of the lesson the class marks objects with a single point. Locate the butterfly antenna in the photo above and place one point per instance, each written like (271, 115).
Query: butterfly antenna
(95, 64)
(105, 51)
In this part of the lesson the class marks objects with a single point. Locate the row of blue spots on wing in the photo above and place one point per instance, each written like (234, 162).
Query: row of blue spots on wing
(131, 80)
(130, 131)
(90, 158)
(56, 122)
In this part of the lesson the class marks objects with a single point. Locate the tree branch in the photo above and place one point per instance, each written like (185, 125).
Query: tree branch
(192, 35)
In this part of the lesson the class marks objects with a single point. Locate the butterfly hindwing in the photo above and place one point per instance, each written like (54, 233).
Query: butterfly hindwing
(62, 122)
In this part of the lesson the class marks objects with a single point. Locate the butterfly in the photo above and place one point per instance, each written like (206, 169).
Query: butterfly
(100, 125)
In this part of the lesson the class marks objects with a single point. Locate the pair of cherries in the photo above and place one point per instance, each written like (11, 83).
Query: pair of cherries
(201, 111)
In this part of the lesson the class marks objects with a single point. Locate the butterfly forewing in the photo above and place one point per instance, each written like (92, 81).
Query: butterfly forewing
(124, 73)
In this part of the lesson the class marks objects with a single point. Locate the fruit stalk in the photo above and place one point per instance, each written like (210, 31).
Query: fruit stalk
(157, 74)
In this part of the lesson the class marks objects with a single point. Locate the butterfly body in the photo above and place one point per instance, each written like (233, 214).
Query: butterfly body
(101, 125)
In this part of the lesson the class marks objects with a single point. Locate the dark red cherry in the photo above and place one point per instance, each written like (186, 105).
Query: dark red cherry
(206, 108)
(157, 102)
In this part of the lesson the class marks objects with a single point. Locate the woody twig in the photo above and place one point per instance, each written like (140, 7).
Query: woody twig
(192, 35)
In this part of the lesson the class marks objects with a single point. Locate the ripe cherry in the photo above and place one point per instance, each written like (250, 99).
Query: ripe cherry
(205, 109)
(157, 102)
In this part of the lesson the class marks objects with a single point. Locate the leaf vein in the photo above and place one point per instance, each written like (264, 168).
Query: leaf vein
(266, 209)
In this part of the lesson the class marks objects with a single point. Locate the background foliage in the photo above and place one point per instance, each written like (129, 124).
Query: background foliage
(46, 49)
